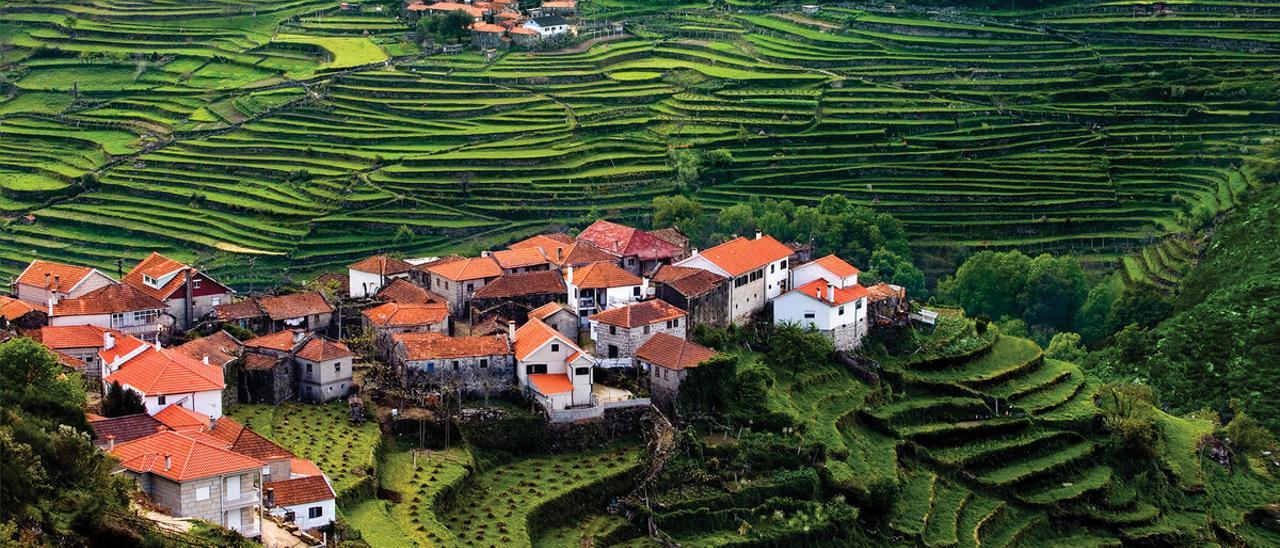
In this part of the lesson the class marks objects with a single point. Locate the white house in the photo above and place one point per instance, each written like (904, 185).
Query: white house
(758, 268)
(188, 293)
(831, 268)
(551, 368)
(163, 376)
(366, 277)
(838, 312)
(600, 286)
(309, 498)
(548, 25)
(116, 306)
(42, 280)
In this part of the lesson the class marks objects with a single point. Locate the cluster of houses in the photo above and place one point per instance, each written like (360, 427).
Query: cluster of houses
(539, 318)
(497, 24)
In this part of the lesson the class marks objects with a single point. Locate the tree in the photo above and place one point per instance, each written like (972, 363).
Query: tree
(890, 267)
(688, 167)
(120, 401)
(989, 282)
(793, 348)
(1054, 289)
(1128, 412)
(682, 213)
(1065, 346)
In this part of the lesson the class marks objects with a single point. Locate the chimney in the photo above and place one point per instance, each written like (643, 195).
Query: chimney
(568, 275)
(270, 498)
(831, 293)
(53, 300)
(298, 335)
(559, 253)
(57, 282)
(213, 423)
(46, 280)
(111, 442)
(158, 345)
(188, 303)
(484, 253)
(758, 234)
(511, 331)
(108, 341)
(205, 359)
(168, 461)
(695, 252)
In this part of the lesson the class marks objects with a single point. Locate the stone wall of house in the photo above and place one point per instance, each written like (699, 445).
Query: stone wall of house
(628, 340)
(167, 494)
(474, 380)
(710, 308)
(845, 337)
(746, 300)
(664, 386)
(275, 386)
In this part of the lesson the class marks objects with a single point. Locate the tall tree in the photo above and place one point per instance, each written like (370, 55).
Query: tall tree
(120, 401)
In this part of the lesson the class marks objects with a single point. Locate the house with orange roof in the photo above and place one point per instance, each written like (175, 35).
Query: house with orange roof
(458, 280)
(641, 252)
(517, 292)
(192, 475)
(838, 312)
(366, 277)
(388, 319)
(310, 500)
(559, 317)
(515, 261)
(406, 292)
(757, 269)
(189, 293)
(668, 360)
(118, 306)
(831, 268)
(476, 365)
(320, 367)
(81, 342)
(701, 293)
(42, 281)
(618, 332)
(566, 8)
(601, 286)
(552, 369)
(162, 376)
(308, 310)
(21, 314)
(488, 35)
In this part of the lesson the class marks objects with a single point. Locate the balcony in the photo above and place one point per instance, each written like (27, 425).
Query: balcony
(245, 499)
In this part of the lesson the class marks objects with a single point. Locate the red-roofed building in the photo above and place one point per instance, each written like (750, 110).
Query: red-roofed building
(388, 319)
(308, 310)
(406, 292)
(641, 252)
(667, 360)
(218, 349)
(21, 314)
(43, 280)
(324, 369)
(701, 293)
(163, 376)
(188, 293)
(757, 270)
(366, 277)
(838, 312)
(81, 342)
(458, 280)
(477, 365)
(445, 7)
(310, 499)
(618, 332)
(117, 306)
(529, 259)
(831, 268)
(542, 352)
(600, 286)
(527, 290)
(191, 475)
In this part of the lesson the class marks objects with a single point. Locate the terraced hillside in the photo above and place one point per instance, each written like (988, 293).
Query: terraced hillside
(302, 137)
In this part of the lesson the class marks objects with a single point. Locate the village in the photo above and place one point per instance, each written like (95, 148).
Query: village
(543, 321)
(500, 24)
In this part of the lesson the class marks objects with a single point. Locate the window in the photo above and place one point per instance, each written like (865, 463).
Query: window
(857, 305)
(266, 472)
(675, 322)
(840, 311)
(631, 261)
(646, 330)
(216, 300)
(159, 400)
(582, 371)
(613, 330)
(195, 284)
(233, 487)
(635, 291)
(431, 367)
(471, 288)
(535, 368)
(740, 281)
(337, 367)
(809, 314)
(484, 362)
(117, 319)
(555, 347)
(783, 264)
(455, 365)
(202, 493)
(771, 267)
(315, 512)
(308, 369)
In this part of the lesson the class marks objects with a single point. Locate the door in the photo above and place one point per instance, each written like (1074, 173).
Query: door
(233, 519)
(233, 488)
(613, 351)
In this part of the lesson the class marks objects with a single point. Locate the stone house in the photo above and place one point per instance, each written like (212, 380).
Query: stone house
(267, 379)
(403, 291)
(488, 36)
(308, 310)
(558, 317)
(887, 305)
(324, 368)
(528, 291)
(41, 281)
(601, 286)
(618, 332)
(366, 277)
(641, 252)
(189, 293)
(702, 294)
(16, 314)
(667, 360)
(757, 269)
(458, 280)
(563, 251)
(477, 365)
(188, 476)
(118, 306)
(389, 319)
(515, 261)
(552, 369)
(281, 365)
(81, 342)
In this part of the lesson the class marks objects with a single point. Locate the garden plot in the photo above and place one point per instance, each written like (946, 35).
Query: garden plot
(321, 434)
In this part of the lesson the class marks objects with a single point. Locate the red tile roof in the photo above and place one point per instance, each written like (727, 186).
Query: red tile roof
(522, 30)
(843, 295)
(156, 372)
(125, 429)
(487, 28)
(549, 384)
(320, 349)
(671, 235)
(673, 352)
(602, 275)
(239, 310)
(283, 341)
(190, 457)
(545, 311)
(435, 346)
(533, 334)
(244, 441)
(179, 418)
(74, 336)
(302, 490)
(295, 305)
(468, 269)
(548, 242)
(406, 315)
(404, 291)
(108, 300)
(220, 348)
(12, 309)
(690, 282)
(638, 314)
(741, 255)
(304, 467)
(837, 266)
(583, 253)
(518, 258)
(383, 265)
(254, 361)
(541, 282)
(627, 241)
(882, 291)
(157, 267)
(67, 276)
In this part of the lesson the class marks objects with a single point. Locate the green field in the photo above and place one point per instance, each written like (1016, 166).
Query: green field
(288, 132)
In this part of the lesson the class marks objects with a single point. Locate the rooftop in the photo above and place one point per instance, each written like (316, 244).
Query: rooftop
(108, 300)
(624, 240)
(382, 265)
(55, 276)
(220, 348)
(302, 490)
(125, 429)
(690, 282)
(406, 315)
(673, 352)
(601, 275)
(181, 457)
(283, 341)
(741, 255)
(167, 371)
(320, 349)
(549, 384)
(836, 265)
(468, 269)
(522, 257)
(642, 313)
(404, 291)
(525, 283)
(11, 309)
(295, 305)
(818, 289)
(428, 346)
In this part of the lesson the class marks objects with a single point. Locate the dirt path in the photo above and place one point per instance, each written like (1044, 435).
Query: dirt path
(585, 45)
